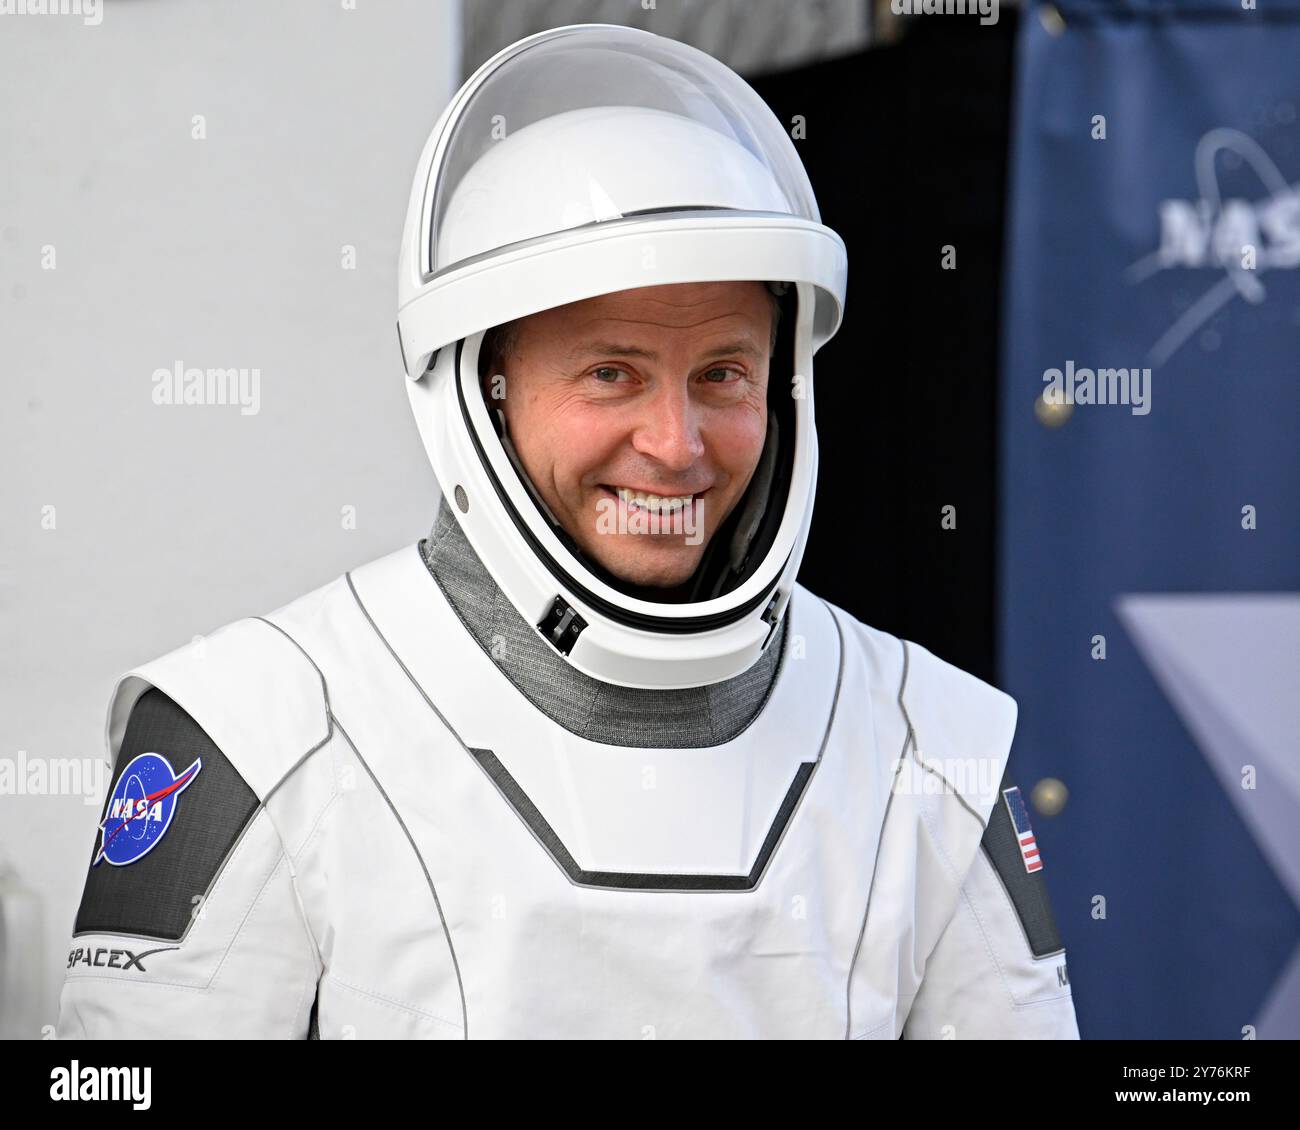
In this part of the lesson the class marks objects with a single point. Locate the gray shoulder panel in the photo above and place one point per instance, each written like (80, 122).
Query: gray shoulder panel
(1020, 873)
(153, 896)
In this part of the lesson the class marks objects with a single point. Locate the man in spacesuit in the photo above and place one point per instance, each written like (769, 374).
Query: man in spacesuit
(588, 761)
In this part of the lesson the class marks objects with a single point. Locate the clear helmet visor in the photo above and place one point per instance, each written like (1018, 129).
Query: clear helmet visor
(600, 123)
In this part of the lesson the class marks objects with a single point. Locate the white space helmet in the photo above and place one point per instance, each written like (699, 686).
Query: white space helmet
(579, 162)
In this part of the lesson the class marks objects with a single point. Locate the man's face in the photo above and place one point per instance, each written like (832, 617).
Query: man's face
(659, 391)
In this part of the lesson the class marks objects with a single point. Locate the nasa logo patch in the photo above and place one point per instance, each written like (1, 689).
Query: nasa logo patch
(141, 808)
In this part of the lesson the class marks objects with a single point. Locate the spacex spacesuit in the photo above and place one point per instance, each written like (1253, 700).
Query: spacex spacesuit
(478, 787)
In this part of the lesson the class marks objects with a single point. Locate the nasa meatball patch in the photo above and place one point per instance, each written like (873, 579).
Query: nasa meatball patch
(141, 808)
(174, 813)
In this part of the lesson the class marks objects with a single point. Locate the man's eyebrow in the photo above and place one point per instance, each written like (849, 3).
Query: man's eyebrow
(739, 347)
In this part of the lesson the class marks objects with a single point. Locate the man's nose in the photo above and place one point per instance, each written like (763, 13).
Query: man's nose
(669, 431)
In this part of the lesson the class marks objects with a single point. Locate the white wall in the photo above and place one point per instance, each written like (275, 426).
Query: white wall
(223, 252)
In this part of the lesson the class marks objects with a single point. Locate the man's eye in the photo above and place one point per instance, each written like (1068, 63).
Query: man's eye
(709, 375)
(606, 369)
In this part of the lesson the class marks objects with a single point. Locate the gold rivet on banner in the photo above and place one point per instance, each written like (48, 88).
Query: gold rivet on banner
(1052, 413)
(1049, 796)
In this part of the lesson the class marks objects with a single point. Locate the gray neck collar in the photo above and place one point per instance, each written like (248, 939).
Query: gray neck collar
(601, 712)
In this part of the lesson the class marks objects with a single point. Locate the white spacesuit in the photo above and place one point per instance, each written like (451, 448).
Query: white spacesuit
(376, 826)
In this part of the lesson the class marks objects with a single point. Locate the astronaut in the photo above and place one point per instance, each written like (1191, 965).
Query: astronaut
(587, 761)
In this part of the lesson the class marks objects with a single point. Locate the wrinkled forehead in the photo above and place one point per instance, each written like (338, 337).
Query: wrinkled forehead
(731, 317)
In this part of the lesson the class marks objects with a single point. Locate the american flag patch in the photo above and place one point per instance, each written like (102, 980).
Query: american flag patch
(1024, 833)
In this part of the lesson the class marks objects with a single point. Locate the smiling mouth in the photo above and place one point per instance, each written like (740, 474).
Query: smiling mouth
(651, 502)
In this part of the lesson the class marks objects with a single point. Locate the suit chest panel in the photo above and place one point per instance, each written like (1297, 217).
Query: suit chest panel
(586, 890)
(543, 951)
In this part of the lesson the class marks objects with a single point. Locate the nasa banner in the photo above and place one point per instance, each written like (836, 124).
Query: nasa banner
(1149, 531)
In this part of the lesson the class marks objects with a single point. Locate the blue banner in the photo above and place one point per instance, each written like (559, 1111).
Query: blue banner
(1150, 530)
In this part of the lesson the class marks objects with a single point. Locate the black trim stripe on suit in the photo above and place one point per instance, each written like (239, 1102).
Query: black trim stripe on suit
(640, 880)
(620, 880)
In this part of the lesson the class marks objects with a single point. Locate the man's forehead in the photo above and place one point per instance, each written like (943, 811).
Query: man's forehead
(607, 346)
(721, 318)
